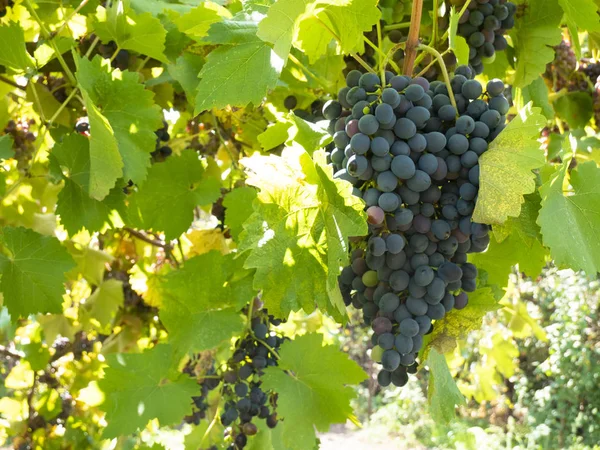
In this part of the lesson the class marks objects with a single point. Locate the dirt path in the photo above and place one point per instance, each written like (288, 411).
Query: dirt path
(342, 438)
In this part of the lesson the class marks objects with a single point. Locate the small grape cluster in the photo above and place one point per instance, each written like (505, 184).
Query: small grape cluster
(561, 69)
(412, 156)
(244, 397)
(4, 4)
(483, 25)
(162, 150)
(23, 140)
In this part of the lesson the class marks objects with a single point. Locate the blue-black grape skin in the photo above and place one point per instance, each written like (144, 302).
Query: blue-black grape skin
(414, 160)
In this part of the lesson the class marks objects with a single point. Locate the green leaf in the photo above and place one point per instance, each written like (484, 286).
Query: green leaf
(442, 393)
(576, 108)
(237, 75)
(159, 7)
(238, 207)
(232, 32)
(458, 323)
(347, 19)
(141, 33)
(537, 93)
(570, 216)
(309, 136)
(297, 236)
(506, 168)
(32, 272)
(14, 56)
(458, 44)
(101, 307)
(197, 22)
(70, 160)
(515, 242)
(122, 130)
(533, 37)
(281, 24)
(185, 71)
(142, 387)
(6, 149)
(37, 355)
(166, 200)
(275, 135)
(315, 392)
(205, 294)
(583, 13)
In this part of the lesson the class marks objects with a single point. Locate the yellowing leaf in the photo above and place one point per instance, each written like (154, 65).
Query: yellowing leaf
(203, 241)
(197, 22)
(298, 234)
(506, 168)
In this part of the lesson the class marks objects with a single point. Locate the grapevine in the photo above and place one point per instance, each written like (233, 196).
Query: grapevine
(196, 198)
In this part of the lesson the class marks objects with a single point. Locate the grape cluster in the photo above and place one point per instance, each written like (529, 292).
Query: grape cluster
(560, 70)
(483, 25)
(5, 4)
(412, 156)
(244, 396)
(23, 140)
(162, 150)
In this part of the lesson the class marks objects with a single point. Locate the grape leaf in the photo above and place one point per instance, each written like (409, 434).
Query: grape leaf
(166, 200)
(575, 108)
(515, 242)
(197, 22)
(237, 75)
(506, 168)
(6, 150)
(141, 33)
(70, 160)
(344, 20)
(145, 386)
(205, 294)
(232, 32)
(185, 71)
(127, 115)
(33, 272)
(537, 93)
(281, 24)
(275, 135)
(159, 7)
(533, 37)
(101, 307)
(298, 233)
(583, 13)
(14, 56)
(314, 392)
(458, 44)
(458, 323)
(570, 217)
(442, 393)
(238, 204)
(46, 105)
(309, 136)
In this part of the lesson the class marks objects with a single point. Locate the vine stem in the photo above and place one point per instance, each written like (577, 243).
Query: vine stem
(412, 41)
(308, 72)
(11, 82)
(434, 33)
(396, 26)
(69, 17)
(391, 51)
(428, 66)
(440, 61)
(363, 63)
(48, 36)
(382, 56)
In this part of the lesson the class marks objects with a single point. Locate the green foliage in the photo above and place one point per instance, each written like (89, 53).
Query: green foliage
(311, 380)
(142, 387)
(33, 272)
(443, 394)
(578, 211)
(293, 234)
(506, 169)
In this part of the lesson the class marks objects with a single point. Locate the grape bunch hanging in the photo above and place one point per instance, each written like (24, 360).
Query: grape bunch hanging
(411, 150)
(483, 25)
(245, 399)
